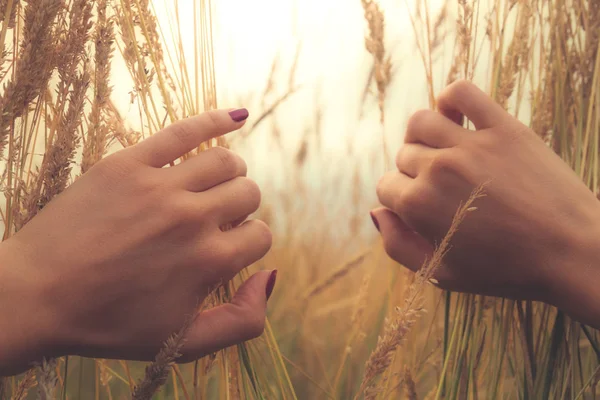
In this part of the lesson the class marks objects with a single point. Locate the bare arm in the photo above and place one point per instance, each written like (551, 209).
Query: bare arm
(536, 233)
(120, 260)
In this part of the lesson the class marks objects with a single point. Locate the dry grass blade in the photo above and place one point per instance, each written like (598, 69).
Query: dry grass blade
(396, 329)
(382, 67)
(410, 388)
(158, 371)
(460, 65)
(12, 13)
(58, 159)
(336, 275)
(361, 300)
(374, 43)
(516, 56)
(270, 110)
(27, 382)
(539, 57)
(56, 167)
(33, 65)
(97, 134)
(47, 380)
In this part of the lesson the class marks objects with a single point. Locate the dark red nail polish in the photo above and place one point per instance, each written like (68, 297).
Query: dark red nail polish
(271, 283)
(239, 115)
(375, 222)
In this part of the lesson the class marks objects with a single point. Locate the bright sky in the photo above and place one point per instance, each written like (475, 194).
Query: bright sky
(333, 68)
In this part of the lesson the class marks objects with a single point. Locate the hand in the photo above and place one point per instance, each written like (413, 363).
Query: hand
(534, 234)
(117, 263)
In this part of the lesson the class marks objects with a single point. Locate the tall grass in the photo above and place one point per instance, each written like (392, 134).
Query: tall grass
(350, 322)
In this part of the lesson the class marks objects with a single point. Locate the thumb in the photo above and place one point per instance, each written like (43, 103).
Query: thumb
(400, 242)
(240, 320)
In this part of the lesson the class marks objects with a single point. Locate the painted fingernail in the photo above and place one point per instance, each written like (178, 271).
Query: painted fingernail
(239, 115)
(375, 222)
(271, 283)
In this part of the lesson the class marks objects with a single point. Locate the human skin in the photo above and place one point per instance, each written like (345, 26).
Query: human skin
(120, 260)
(536, 233)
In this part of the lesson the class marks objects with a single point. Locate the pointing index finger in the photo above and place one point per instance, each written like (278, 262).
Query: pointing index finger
(184, 136)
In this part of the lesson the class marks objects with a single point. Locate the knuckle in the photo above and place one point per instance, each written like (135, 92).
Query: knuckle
(417, 119)
(382, 185)
(461, 84)
(400, 156)
(443, 163)
(115, 166)
(410, 201)
(230, 258)
(251, 192)
(263, 235)
(227, 160)
(402, 202)
(145, 184)
(226, 252)
(456, 89)
(379, 188)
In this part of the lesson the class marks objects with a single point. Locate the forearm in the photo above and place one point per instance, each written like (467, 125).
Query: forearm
(22, 320)
(575, 287)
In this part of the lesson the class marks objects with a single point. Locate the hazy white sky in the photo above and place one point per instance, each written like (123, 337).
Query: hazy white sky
(333, 68)
(333, 60)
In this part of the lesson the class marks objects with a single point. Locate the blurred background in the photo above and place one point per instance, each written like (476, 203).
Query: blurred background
(329, 85)
(311, 54)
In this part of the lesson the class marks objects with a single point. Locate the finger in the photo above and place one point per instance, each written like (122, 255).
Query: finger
(401, 243)
(410, 249)
(238, 321)
(390, 188)
(463, 97)
(208, 169)
(234, 199)
(234, 224)
(432, 129)
(414, 158)
(247, 244)
(186, 135)
(455, 116)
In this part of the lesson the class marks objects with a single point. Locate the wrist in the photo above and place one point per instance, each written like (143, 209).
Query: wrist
(25, 334)
(574, 279)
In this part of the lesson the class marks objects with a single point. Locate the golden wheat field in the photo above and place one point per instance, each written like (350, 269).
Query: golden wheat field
(330, 86)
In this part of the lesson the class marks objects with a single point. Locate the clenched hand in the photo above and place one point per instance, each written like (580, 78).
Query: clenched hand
(118, 262)
(535, 235)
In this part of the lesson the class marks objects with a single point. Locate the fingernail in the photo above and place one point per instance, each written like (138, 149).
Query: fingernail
(239, 115)
(375, 222)
(271, 283)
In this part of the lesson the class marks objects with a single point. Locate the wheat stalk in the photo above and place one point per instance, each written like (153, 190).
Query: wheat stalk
(396, 329)
(157, 372)
(47, 380)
